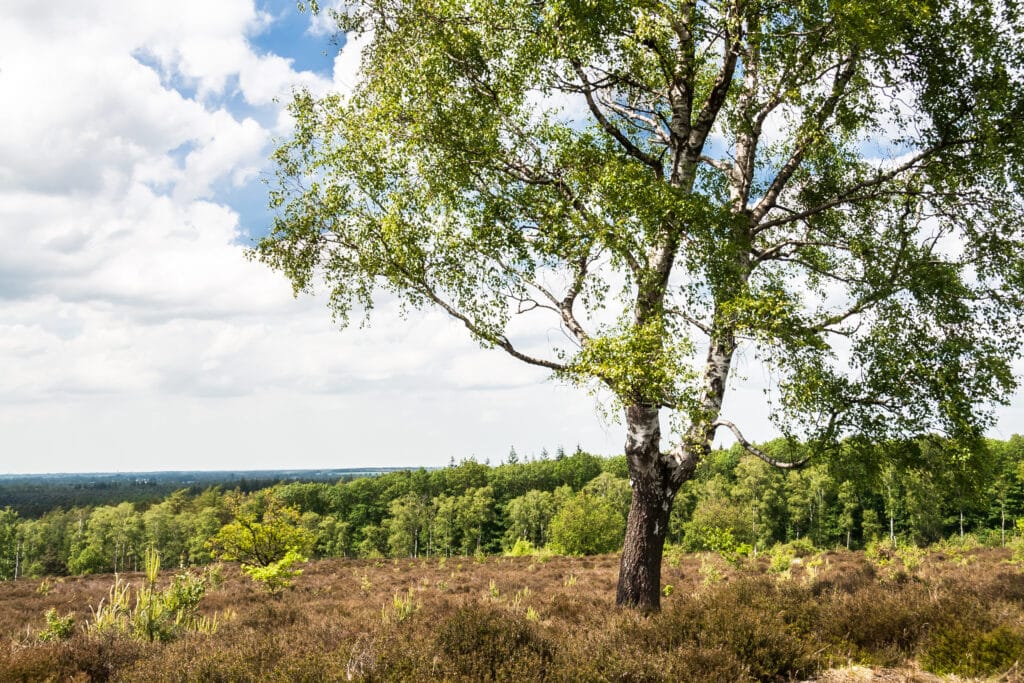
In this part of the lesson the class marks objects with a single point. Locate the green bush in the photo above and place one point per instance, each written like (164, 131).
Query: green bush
(522, 548)
(720, 540)
(278, 575)
(587, 525)
(57, 627)
(781, 557)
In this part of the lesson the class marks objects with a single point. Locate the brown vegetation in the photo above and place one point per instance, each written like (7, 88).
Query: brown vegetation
(826, 617)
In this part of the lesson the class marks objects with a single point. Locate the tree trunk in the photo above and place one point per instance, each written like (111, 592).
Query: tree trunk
(653, 491)
(640, 568)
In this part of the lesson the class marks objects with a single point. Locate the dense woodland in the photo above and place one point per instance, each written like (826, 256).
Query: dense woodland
(912, 492)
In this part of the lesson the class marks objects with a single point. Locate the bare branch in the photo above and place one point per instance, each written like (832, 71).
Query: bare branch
(643, 120)
(786, 172)
(722, 166)
(631, 148)
(731, 45)
(852, 193)
(501, 341)
(686, 317)
(754, 450)
(568, 302)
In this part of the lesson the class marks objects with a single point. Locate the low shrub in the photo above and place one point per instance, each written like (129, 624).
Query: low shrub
(522, 548)
(277, 575)
(57, 627)
(958, 649)
(482, 643)
(155, 614)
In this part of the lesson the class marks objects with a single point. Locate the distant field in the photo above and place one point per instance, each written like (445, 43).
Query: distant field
(828, 617)
(31, 495)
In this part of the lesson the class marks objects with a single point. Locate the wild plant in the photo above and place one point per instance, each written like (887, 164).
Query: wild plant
(402, 608)
(155, 615)
(710, 574)
(911, 556)
(57, 627)
(276, 576)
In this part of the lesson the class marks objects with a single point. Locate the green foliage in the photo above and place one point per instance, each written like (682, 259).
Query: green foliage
(155, 615)
(637, 363)
(277, 575)
(57, 627)
(721, 541)
(807, 236)
(261, 540)
(522, 548)
(111, 541)
(844, 497)
(781, 557)
(587, 525)
(728, 179)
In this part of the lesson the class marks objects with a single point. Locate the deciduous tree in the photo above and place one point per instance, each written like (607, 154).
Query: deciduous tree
(831, 186)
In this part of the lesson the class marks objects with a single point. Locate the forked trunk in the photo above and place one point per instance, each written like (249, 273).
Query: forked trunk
(656, 477)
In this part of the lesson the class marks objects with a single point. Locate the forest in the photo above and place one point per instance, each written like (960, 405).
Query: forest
(910, 493)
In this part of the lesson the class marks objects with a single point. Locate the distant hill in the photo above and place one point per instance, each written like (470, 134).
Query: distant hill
(33, 494)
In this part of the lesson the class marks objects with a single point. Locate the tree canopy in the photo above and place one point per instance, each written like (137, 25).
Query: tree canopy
(830, 187)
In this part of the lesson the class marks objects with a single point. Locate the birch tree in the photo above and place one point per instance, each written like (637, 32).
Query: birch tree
(829, 188)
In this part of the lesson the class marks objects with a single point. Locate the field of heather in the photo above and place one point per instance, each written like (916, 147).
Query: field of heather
(834, 616)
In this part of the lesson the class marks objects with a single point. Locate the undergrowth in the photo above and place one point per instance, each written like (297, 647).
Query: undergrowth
(513, 619)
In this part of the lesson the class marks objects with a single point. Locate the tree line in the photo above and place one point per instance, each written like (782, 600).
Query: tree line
(915, 491)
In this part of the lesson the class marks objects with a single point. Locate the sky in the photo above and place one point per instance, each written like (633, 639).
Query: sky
(134, 333)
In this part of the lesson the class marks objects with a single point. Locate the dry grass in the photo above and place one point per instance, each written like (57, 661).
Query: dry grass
(839, 617)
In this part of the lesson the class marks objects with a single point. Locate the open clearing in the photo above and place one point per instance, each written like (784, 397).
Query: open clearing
(837, 616)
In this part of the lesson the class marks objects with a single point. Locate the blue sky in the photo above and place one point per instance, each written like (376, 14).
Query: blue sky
(134, 333)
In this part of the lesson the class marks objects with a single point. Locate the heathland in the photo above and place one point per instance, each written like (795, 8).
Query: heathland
(832, 616)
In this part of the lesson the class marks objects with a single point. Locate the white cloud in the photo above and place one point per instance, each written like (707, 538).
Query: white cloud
(133, 332)
(348, 61)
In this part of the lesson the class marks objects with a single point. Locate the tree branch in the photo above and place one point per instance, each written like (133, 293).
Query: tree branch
(771, 196)
(631, 148)
(754, 450)
(851, 193)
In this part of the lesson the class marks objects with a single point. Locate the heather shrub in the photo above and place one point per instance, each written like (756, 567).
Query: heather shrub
(959, 649)
(483, 643)
(749, 629)
(96, 659)
(848, 575)
(753, 620)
